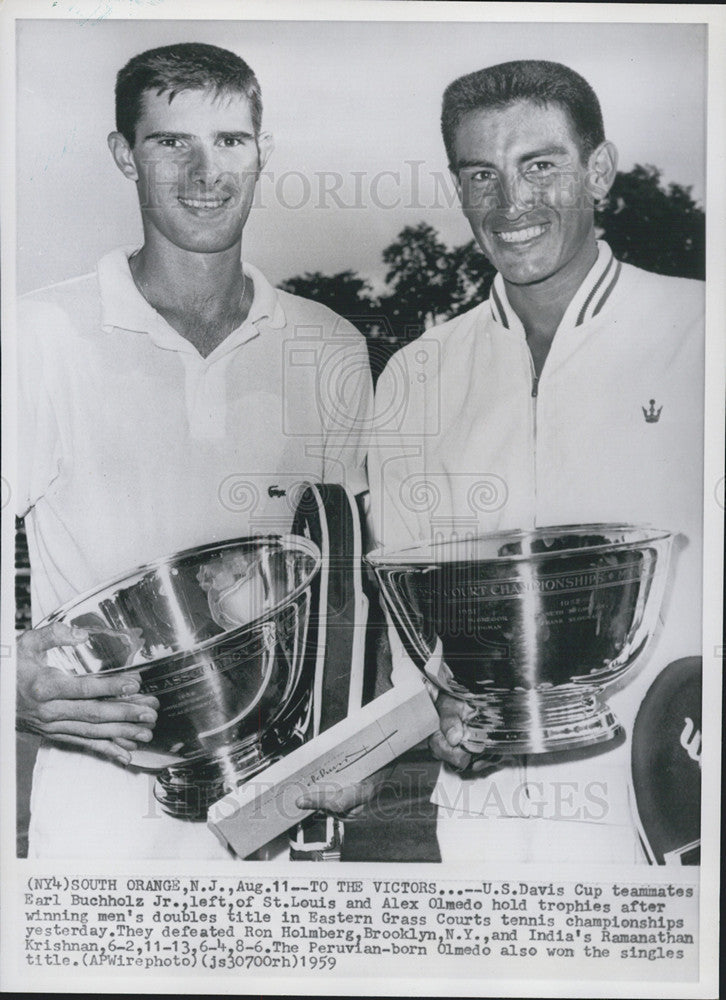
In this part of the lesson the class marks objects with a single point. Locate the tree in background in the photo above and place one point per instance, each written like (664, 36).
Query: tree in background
(658, 228)
(352, 297)
(346, 293)
(474, 277)
(420, 277)
(430, 282)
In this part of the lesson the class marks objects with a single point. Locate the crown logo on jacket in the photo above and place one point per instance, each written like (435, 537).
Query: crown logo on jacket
(651, 415)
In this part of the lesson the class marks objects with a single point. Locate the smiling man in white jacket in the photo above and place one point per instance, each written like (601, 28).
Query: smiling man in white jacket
(572, 395)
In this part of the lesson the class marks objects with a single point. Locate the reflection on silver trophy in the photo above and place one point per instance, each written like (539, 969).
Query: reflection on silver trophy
(217, 634)
(528, 627)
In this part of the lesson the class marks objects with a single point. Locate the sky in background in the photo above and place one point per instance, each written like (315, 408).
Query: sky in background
(354, 108)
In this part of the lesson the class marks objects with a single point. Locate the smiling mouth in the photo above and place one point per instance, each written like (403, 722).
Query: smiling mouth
(521, 235)
(204, 203)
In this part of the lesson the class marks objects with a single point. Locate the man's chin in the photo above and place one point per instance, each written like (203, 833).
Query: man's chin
(207, 243)
(517, 267)
(524, 274)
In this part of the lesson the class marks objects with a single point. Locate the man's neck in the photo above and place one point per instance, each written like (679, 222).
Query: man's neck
(541, 306)
(204, 297)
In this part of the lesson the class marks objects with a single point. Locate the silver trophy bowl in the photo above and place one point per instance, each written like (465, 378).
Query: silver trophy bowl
(218, 634)
(528, 627)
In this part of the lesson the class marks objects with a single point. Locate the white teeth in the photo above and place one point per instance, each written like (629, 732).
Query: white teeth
(521, 235)
(193, 203)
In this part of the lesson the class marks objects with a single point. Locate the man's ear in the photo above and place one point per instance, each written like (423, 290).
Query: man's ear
(122, 155)
(265, 145)
(603, 166)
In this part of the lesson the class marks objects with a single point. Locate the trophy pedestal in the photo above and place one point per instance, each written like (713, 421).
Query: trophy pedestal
(188, 789)
(534, 722)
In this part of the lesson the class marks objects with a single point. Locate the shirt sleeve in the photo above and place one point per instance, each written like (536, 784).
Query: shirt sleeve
(396, 461)
(345, 394)
(38, 439)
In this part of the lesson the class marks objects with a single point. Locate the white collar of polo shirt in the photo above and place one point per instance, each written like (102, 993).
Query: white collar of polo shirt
(124, 307)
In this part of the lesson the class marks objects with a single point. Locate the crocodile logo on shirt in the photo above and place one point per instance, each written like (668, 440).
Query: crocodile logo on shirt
(275, 491)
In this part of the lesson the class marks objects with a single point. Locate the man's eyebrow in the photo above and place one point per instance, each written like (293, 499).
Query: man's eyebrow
(235, 135)
(534, 155)
(167, 135)
(188, 135)
(475, 163)
(549, 151)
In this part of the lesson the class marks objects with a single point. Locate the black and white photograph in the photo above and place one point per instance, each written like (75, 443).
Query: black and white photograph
(363, 496)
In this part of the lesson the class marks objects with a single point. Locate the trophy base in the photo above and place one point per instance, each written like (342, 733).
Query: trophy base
(187, 790)
(536, 722)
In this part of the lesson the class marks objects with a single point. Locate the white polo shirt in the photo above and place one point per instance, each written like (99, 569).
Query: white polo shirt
(133, 446)
(479, 445)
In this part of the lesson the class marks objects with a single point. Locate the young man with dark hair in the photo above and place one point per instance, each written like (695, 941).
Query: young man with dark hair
(174, 68)
(574, 392)
(145, 388)
(532, 80)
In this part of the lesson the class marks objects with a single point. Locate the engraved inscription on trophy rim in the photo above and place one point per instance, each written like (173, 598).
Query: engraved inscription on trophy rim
(547, 583)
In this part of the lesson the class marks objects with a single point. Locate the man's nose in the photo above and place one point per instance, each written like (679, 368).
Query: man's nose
(203, 166)
(515, 195)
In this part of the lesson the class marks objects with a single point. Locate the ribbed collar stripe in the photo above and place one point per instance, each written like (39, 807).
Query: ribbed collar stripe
(593, 293)
(500, 308)
(609, 289)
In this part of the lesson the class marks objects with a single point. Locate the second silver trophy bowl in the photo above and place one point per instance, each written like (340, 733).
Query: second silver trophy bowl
(528, 627)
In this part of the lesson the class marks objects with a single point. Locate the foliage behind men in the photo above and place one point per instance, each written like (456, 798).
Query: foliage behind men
(658, 228)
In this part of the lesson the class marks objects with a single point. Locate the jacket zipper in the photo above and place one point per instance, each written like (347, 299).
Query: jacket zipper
(533, 395)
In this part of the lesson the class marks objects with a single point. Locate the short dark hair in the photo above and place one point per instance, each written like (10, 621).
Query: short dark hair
(175, 68)
(524, 80)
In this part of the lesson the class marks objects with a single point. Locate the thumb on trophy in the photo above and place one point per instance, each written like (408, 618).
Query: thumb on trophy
(453, 713)
(446, 744)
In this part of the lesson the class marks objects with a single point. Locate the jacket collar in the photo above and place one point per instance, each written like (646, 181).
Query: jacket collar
(588, 301)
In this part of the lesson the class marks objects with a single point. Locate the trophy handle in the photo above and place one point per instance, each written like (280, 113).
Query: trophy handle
(328, 515)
